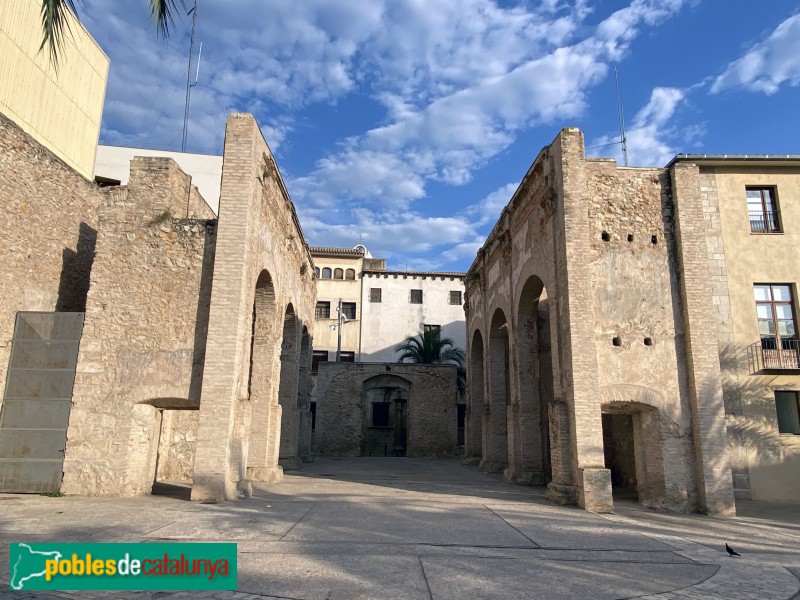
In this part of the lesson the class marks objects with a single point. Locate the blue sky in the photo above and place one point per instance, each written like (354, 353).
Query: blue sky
(407, 124)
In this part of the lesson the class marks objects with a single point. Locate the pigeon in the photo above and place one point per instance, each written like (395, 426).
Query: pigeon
(731, 551)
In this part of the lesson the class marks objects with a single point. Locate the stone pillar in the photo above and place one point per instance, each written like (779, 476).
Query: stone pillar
(575, 331)
(704, 381)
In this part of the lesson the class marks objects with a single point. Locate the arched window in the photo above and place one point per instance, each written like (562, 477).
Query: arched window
(326, 273)
(338, 274)
(350, 274)
(316, 271)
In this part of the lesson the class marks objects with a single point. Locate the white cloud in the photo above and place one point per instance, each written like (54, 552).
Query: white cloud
(768, 64)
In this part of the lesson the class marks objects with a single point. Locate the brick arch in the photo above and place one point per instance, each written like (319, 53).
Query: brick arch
(495, 447)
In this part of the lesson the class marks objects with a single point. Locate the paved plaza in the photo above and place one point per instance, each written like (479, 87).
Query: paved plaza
(430, 528)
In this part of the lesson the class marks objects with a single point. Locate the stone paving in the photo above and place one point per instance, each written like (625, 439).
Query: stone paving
(427, 528)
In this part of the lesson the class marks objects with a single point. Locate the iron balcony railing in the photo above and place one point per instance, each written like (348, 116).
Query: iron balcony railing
(774, 354)
(765, 221)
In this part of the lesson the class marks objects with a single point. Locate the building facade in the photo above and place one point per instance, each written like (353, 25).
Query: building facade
(61, 107)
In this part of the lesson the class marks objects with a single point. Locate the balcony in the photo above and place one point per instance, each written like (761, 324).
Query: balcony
(772, 354)
(765, 221)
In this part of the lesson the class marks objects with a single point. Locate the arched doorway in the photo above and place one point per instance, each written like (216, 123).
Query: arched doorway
(473, 440)
(288, 392)
(495, 452)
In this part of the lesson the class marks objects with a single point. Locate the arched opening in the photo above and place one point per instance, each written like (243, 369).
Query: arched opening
(261, 381)
(473, 440)
(350, 274)
(326, 273)
(632, 450)
(495, 455)
(338, 273)
(386, 406)
(316, 271)
(304, 397)
(529, 455)
(288, 392)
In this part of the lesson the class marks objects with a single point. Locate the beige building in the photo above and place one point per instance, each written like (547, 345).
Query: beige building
(60, 107)
(752, 214)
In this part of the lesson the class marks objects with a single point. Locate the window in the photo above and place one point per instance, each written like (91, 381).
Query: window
(427, 328)
(338, 274)
(787, 405)
(323, 310)
(349, 310)
(313, 416)
(455, 297)
(326, 273)
(316, 271)
(380, 414)
(374, 294)
(350, 274)
(317, 357)
(416, 297)
(347, 357)
(763, 210)
(776, 326)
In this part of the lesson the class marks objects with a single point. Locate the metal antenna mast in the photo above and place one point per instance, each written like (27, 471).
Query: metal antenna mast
(189, 84)
(622, 137)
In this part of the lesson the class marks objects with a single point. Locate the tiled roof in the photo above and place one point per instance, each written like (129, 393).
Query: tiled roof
(320, 250)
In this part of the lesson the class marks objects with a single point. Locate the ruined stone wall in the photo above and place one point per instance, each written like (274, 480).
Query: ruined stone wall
(342, 411)
(637, 313)
(176, 446)
(165, 185)
(144, 336)
(259, 240)
(47, 233)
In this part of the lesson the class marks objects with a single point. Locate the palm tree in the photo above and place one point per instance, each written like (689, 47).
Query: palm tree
(430, 348)
(55, 21)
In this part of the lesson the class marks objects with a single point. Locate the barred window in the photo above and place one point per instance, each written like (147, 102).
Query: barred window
(416, 297)
(323, 310)
(349, 310)
(374, 294)
(455, 297)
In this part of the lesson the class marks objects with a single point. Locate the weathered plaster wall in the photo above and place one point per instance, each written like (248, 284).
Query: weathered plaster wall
(331, 290)
(48, 232)
(342, 411)
(143, 342)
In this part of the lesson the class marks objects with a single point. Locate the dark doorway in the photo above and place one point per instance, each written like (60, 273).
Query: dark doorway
(620, 456)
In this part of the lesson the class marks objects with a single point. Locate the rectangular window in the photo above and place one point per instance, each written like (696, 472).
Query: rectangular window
(763, 210)
(318, 357)
(380, 414)
(347, 357)
(427, 328)
(787, 405)
(455, 298)
(349, 310)
(323, 310)
(776, 325)
(416, 297)
(374, 294)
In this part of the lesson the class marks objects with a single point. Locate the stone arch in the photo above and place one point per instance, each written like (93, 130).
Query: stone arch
(495, 453)
(288, 391)
(385, 401)
(473, 441)
(261, 381)
(304, 396)
(528, 436)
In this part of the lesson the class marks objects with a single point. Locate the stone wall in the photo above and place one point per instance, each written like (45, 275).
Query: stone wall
(176, 446)
(343, 411)
(143, 345)
(48, 233)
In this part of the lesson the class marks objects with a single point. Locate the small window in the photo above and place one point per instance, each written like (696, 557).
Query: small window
(762, 207)
(350, 274)
(323, 310)
(319, 356)
(374, 294)
(326, 273)
(380, 414)
(429, 328)
(338, 274)
(316, 271)
(416, 297)
(455, 297)
(349, 357)
(313, 416)
(787, 406)
(349, 310)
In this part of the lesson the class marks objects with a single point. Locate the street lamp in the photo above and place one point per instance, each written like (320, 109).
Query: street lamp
(341, 320)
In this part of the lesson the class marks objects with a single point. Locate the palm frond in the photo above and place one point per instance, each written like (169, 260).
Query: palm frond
(55, 21)
(162, 14)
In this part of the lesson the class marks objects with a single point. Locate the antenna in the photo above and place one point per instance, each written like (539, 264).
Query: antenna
(193, 12)
(623, 139)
